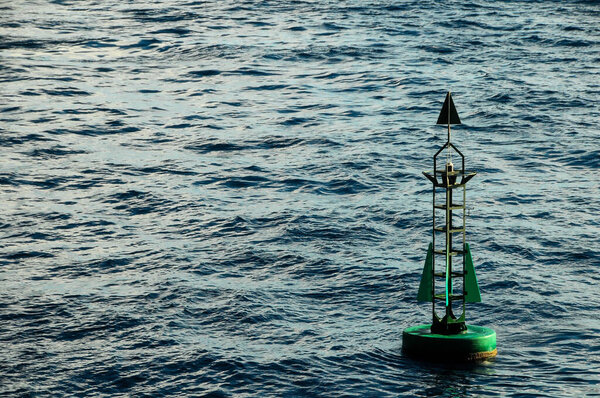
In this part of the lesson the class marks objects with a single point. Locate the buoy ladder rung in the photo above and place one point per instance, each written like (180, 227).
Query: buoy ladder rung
(452, 230)
(455, 274)
(452, 253)
(452, 297)
(453, 206)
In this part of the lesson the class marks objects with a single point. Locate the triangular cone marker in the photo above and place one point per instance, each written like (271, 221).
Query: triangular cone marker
(425, 288)
(448, 115)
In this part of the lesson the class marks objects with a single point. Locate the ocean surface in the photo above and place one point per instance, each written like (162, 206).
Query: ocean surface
(225, 198)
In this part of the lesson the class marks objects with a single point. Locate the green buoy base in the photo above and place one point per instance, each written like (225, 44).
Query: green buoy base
(476, 343)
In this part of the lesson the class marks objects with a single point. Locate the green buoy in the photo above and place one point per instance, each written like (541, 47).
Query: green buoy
(448, 338)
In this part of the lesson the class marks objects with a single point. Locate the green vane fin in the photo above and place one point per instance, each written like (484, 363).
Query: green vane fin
(425, 288)
(471, 285)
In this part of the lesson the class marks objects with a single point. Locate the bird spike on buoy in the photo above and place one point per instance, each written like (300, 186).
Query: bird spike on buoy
(448, 337)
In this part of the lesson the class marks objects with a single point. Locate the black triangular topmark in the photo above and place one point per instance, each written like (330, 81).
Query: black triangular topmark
(448, 116)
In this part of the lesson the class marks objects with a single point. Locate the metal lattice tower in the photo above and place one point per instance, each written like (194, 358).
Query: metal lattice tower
(451, 184)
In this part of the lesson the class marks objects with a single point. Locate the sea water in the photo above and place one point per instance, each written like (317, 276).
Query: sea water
(225, 198)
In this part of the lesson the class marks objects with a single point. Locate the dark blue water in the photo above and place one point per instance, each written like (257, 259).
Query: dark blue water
(225, 199)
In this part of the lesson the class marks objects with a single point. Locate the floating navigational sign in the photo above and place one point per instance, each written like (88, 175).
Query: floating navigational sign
(448, 281)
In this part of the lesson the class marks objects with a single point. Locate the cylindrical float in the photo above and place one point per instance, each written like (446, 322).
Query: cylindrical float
(476, 343)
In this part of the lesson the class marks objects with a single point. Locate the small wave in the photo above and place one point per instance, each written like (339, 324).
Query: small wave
(126, 195)
(204, 73)
(173, 31)
(94, 131)
(273, 142)
(333, 26)
(144, 44)
(110, 324)
(259, 24)
(237, 226)
(293, 184)
(10, 109)
(215, 146)
(64, 92)
(20, 255)
(160, 15)
(53, 152)
(328, 75)
(267, 87)
(19, 140)
(244, 181)
(347, 186)
(277, 142)
(179, 126)
(296, 121)
(573, 43)
(137, 203)
(164, 170)
(515, 250)
(309, 228)
(437, 49)
(246, 71)
(42, 182)
(83, 224)
(501, 98)
(34, 44)
(99, 43)
(584, 159)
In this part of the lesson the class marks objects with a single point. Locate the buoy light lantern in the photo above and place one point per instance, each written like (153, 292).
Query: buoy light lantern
(445, 282)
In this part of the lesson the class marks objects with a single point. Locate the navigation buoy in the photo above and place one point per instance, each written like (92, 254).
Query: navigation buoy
(448, 337)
